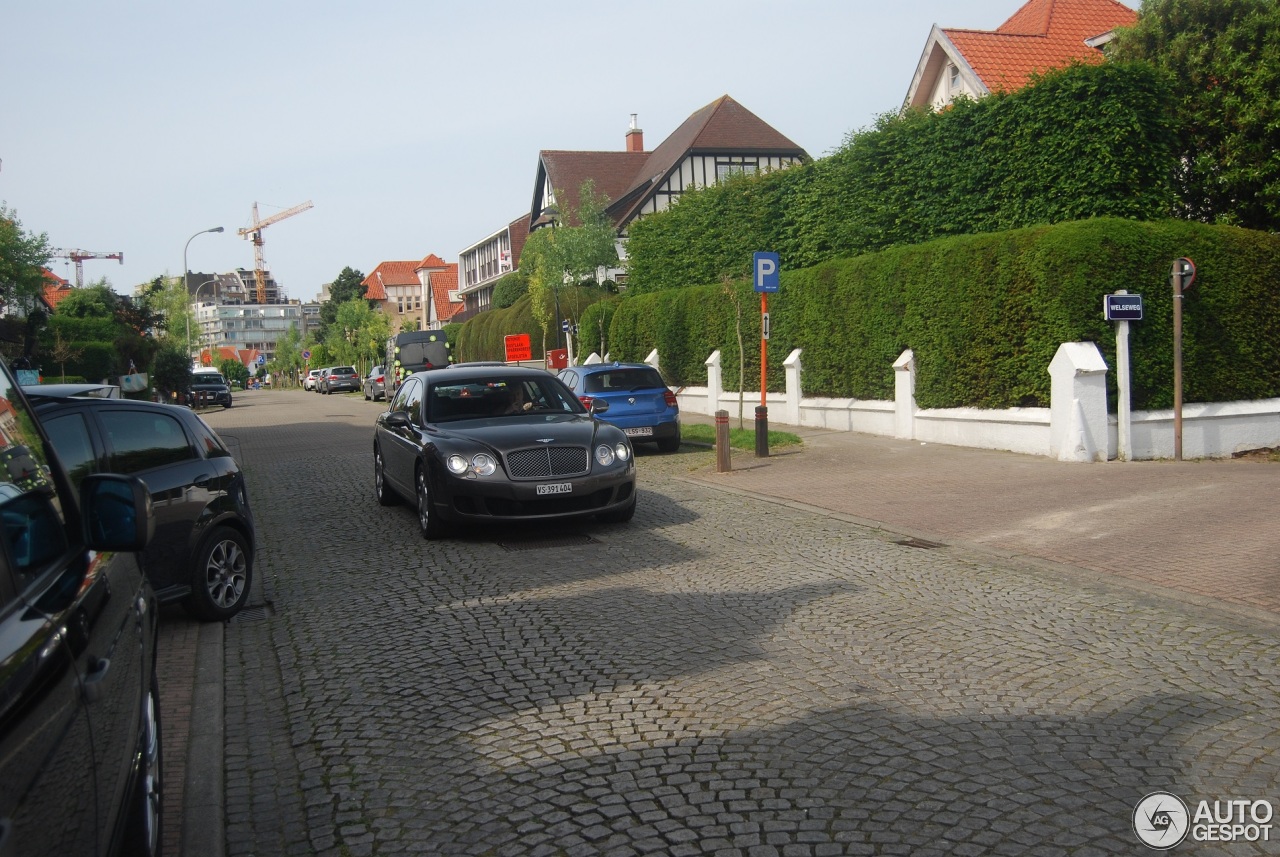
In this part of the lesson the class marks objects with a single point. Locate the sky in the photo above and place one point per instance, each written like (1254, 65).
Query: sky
(413, 126)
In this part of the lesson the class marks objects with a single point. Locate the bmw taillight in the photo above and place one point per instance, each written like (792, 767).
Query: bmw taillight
(671, 400)
(586, 401)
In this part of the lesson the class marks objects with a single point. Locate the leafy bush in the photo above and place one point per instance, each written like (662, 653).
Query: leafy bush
(1087, 141)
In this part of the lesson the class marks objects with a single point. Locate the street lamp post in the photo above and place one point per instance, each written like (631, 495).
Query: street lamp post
(195, 299)
(186, 283)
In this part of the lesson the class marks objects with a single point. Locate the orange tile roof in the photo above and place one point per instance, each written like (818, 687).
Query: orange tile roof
(443, 281)
(1042, 35)
(432, 262)
(55, 289)
(389, 274)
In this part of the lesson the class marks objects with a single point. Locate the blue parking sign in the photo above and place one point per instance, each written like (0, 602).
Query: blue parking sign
(764, 267)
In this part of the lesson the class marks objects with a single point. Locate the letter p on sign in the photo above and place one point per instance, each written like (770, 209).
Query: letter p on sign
(765, 267)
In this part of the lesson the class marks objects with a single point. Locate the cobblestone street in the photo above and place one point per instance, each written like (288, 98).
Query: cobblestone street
(724, 675)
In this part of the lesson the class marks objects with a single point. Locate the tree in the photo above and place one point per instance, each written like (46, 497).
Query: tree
(568, 254)
(234, 371)
(1223, 67)
(347, 286)
(288, 359)
(23, 258)
(171, 371)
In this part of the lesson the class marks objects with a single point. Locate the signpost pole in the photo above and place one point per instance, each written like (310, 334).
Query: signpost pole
(1182, 276)
(762, 412)
(1124, 434)
(765, 279)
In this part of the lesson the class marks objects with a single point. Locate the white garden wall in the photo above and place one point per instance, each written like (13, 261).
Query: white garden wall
(1076, 426)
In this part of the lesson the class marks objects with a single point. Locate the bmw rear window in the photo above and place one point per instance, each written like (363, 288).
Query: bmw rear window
(622, 380)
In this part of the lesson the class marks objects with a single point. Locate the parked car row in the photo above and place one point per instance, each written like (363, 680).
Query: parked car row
(332, 379)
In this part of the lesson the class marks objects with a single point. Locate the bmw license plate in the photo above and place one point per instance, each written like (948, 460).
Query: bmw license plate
(556, 488)
(642, 431)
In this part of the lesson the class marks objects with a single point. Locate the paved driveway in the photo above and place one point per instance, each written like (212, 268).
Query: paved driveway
(726, 675)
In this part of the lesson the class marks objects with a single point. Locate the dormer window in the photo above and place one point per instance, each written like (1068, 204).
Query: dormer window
(953, 76)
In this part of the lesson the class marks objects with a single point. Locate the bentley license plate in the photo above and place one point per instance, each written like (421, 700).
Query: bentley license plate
(556, 488)
(643, 431)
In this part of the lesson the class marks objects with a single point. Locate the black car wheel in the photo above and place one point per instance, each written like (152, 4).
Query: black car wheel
(367, 397)
(144, 824)
(383, 492)
(670, 444)
(427, 522)
(223, 574)
(620, 516)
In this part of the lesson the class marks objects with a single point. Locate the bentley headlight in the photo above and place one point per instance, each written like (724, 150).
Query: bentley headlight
(623, 451)
(604, 455)
(481, 464)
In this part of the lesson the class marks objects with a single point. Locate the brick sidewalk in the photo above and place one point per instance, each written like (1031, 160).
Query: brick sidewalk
(1201, 528)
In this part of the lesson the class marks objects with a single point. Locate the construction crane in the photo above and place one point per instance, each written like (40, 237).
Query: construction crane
(254, 233)
(78, 256)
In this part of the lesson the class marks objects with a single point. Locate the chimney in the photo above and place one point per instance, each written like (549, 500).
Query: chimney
(635, 137)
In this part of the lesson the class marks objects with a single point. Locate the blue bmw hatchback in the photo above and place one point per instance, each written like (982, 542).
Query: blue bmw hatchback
(639, 401)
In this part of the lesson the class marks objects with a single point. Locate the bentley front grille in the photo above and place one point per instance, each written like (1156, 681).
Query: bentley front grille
(544, 461)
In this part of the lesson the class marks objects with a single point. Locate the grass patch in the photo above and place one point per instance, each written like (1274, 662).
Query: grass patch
(738, 438)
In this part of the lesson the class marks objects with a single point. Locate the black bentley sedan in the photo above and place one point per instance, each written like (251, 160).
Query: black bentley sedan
(490, 443)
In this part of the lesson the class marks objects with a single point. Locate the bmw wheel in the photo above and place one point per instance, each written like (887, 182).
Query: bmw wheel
(223, 574)
(428, 522)
(382, 491)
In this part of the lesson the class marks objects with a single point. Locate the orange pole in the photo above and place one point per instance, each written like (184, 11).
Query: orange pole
(764, 354)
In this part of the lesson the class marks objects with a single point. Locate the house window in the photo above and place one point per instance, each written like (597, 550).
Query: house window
(726, 167)
(953, 77)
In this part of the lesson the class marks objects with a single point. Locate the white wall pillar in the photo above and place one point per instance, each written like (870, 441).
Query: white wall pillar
(714, 382)
(1078, 408)
(904, 395)
(792, 366)
(652, 359)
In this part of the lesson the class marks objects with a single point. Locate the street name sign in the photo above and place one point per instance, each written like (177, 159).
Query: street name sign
(1122, 307)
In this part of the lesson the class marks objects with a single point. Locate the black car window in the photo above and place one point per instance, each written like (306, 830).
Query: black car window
(70, 436)
(618, 380)
(495, 397)
(413, 404)
(141, 440)
(31, 517)
(409, 388)
(208, 440)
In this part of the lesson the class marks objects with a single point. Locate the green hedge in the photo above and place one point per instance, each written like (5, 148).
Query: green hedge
(483, 337)
(1087, 141)
(985, 314)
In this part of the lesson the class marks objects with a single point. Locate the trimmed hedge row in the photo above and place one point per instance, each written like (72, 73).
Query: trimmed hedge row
(1087, 141)
(985, 314)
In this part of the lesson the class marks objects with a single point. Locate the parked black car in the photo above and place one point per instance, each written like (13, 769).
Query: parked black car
(339, 379)
(494, 443)
(80, 763)
(203, 551)
(208, 387)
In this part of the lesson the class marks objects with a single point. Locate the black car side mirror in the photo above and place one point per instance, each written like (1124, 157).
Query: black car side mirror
(397, 419)
(116, 512)
(599, 406)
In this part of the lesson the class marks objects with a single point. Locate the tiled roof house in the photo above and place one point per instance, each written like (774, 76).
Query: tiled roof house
(717, 140)
(1042, 35)
(402, 287)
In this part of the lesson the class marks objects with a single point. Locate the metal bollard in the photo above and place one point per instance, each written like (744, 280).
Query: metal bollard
(724, 462)
(762, 432)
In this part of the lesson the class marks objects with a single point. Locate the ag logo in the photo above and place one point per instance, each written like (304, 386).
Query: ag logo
(1161, 820)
